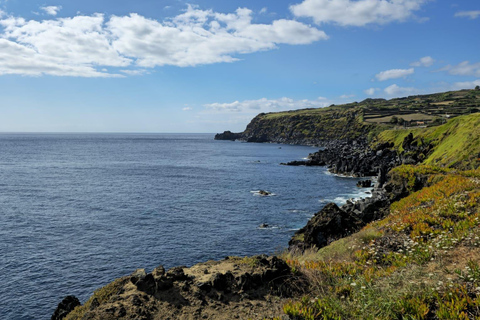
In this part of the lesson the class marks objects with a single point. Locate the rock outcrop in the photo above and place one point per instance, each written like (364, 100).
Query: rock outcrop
(242, 288)
(333, 222)
(353, 157)
(65, 307)
(228, 135)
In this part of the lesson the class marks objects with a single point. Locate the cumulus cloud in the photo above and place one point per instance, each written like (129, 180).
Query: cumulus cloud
(423, 62)
(468, 14)
(357, 13)
(463, 69)
(371, 91)
(187, 109)
(266, 105)
(394, 74)
(395, 90)
(51, 10)
(465, 85)
(84, 45)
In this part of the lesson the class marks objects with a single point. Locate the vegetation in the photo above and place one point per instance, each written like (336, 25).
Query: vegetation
(100, 296)
(422, 261)
(456, 142)
(409, 265)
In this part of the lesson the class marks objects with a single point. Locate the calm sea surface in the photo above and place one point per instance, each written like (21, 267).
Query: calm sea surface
(79, 210)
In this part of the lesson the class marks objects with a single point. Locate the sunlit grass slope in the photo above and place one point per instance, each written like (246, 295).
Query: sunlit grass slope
(456, 143)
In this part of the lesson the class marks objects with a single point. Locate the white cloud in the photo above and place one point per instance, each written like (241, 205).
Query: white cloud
(395, 90)
(357, 13)
(83, 45)
(423, 62)
(394, 74)
(371, 91)
(468, 14)
(465, 85)
(137, 72)
(51, 10)
(347, 96)
(463, 69)
(263, 10)
(266, 105)
(187, 109)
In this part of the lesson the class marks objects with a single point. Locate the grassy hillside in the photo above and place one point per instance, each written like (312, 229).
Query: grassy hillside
(421, 262)
(456, 142)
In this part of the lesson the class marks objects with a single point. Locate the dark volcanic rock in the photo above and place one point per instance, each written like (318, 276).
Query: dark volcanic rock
(329, 224)
(355, 158)
(364, 183)
(228, 135)
(65, 307)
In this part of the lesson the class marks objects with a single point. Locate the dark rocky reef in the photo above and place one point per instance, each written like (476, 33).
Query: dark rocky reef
(228, 135)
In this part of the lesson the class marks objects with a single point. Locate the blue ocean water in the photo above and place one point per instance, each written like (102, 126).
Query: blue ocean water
(79, 210)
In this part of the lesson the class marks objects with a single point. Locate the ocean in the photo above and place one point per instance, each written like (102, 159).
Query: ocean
(79, 210)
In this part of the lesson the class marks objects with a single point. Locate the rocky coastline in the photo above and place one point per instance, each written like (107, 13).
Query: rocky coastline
(245, 286)
(356, 158)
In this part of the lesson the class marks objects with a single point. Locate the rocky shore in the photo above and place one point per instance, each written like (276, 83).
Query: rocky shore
(255, 287)
(234, 288)
(356, 158)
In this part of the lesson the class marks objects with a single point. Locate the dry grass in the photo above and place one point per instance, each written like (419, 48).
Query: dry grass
(421, 262)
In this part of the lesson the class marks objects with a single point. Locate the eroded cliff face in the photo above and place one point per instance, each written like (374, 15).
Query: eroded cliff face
(307, 127)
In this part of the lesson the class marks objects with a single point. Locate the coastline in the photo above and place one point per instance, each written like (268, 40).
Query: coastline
(228, 288)
(237, 287)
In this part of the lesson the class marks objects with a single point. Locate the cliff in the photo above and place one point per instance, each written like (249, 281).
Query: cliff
(358, 119)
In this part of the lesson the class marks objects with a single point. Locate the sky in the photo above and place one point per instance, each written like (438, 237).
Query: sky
(211, 65)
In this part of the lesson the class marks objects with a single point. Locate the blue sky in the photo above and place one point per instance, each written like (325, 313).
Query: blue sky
(212, 65)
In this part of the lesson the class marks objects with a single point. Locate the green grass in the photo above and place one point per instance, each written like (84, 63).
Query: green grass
(411, 265)
(455, 142)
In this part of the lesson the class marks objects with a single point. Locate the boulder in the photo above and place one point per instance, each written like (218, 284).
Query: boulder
(327, 225)
(65, 307)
